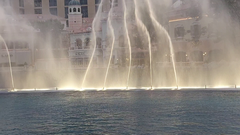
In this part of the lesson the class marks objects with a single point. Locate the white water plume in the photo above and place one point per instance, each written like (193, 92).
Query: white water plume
(109, 23)
(129, 43)
(161, 28)
(141, 24)
(94, 24)
(9, 60)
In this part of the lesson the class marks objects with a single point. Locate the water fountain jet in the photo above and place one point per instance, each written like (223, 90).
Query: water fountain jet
(9, 61)
(94, 43)
(158, 25)
(109, 22)
(129, 43)
(139, 22)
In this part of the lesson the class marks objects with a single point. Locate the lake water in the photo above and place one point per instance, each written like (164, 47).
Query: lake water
(121, 112)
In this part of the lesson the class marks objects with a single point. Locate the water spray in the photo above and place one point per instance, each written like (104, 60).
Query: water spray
(109, 22)
(94, 44)
(148, 37)
(158, 25)
(10, 64)
(129, 43)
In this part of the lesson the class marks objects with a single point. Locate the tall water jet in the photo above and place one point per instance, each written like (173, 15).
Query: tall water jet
(140, 23)
(9, 60)
(158, 25)
(94, 43)
(129, 43)
(109, 22)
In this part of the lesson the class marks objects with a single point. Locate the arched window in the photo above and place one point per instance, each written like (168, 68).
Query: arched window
(197, 56)
(74, 10)
(87, 43)
(181, 57)
(121, 41)
(108, 41)
(99, 42)
(179, 31)
(70, 10)
(196, 31)
(79, 44)
(79, 10)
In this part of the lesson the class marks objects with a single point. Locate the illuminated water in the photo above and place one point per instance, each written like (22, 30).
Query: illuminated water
(140, 23)
(128, 41)
(121, 112)
(112, 44)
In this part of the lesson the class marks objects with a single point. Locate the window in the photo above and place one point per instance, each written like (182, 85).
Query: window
(114, 3)
(66, 2)
(96, 9)
(38, 3)
(80, 62)
(70, 10)
(99, 42)
(21, 3)
(179, 32)
(74, 10)
(67, 23)
(87, 43)
(83, 2)
(85, 11)
(79, 44)
(86, 61)
(97, 1)
(108, 41)
(66, 12)
(196, 31)
(38, 11)
(79, 10)
(121, 41)
(53, 11)
(52, 3)
(21, 11)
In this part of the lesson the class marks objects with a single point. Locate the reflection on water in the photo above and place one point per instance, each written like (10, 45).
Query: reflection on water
(121, 112)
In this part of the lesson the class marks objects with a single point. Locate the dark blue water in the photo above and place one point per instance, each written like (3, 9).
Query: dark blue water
(140, 113)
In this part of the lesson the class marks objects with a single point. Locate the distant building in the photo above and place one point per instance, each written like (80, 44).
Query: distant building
(80, 50)
(55, 7)
(41, 10)
(80, 38)
(194, 39)
(19, 40)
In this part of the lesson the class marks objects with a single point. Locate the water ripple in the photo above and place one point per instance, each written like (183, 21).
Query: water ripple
(143, 112)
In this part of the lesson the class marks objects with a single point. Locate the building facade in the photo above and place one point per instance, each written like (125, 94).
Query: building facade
(195, 38)
(54, 7)
(18, 40)
(81, 37)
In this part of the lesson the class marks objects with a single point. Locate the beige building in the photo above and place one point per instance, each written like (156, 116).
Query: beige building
(54, 7)
(194, 39)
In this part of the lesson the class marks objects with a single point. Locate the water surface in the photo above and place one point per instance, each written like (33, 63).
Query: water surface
(121, 112)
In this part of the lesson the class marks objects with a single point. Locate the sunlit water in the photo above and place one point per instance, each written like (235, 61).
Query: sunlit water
(121, 112)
